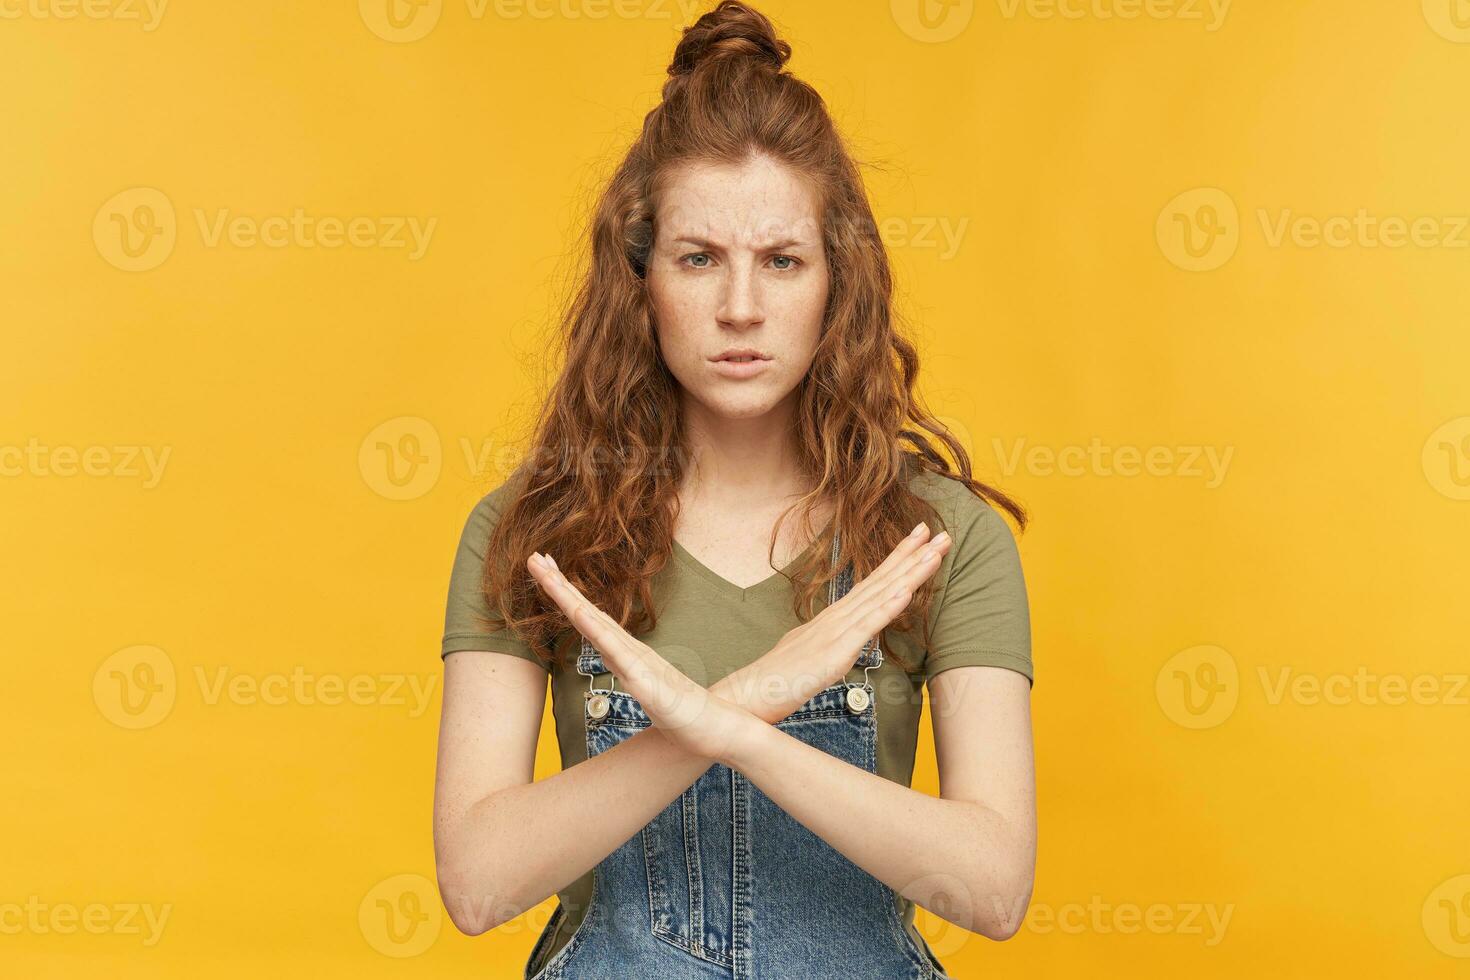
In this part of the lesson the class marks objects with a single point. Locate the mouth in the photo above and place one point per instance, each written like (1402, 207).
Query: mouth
(740, 364)
(742, 355)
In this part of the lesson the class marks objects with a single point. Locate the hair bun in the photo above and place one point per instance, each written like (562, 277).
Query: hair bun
(731, 30)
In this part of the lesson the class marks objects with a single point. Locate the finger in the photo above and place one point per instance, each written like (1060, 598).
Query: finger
(652, 678)
(666, 693)
(901, 558)
(911, 543)
(566, 595)
(876, 615)
(921, 565)
(600, 629)
(861, 622)
(912, 570)
(901, 586)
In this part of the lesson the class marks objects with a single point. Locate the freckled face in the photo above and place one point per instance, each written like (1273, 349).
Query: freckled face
(737, 262)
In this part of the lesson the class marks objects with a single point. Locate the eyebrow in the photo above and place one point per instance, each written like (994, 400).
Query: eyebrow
(784, 243)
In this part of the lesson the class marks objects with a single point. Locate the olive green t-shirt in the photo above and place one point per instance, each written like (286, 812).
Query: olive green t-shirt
(709, 627)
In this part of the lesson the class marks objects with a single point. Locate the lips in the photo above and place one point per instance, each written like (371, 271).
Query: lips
(742, 355)
(740, 366)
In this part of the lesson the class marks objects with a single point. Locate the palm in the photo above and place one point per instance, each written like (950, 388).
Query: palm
(699, 721)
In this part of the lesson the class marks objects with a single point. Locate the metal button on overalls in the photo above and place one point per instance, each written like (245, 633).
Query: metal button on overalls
(597, 706)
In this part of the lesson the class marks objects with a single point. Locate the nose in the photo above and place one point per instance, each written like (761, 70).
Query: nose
(740, 302)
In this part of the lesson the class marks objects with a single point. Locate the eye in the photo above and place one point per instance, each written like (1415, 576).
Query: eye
(787, 258)
(695, 255)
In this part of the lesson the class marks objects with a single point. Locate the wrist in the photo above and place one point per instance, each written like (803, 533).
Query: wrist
(750, 741)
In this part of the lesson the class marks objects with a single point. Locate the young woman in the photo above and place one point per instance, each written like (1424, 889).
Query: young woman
(736, 695)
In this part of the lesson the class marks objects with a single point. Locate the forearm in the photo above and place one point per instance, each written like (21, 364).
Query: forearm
(520, 844)
(965, 861)
(500, 864)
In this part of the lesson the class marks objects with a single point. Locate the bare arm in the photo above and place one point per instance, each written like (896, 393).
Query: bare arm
(973, 862)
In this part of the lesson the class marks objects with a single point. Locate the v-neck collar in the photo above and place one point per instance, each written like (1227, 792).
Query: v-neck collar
(730, 588)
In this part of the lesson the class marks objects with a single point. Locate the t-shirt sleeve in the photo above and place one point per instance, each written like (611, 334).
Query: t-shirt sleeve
(463, 626)
(983, 615)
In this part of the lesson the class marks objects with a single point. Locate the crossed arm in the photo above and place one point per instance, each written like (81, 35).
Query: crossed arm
(968, 855)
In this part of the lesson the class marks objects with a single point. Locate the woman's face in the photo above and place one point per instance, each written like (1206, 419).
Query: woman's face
(737, 264)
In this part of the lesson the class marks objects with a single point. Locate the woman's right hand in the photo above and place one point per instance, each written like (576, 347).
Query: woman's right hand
(814, 655)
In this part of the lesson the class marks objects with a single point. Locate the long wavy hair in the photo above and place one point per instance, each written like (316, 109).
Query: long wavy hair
(598, 488)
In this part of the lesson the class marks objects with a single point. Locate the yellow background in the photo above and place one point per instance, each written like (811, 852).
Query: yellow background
(1065, 155)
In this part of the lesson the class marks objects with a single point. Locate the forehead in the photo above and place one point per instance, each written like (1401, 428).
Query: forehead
(757, 200)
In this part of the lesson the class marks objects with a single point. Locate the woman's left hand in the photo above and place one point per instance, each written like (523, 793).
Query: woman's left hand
(699, 721)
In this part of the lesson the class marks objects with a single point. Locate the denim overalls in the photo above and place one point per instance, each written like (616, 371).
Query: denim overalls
(724, 884)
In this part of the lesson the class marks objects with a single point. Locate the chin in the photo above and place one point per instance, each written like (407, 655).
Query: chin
(751, 406)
